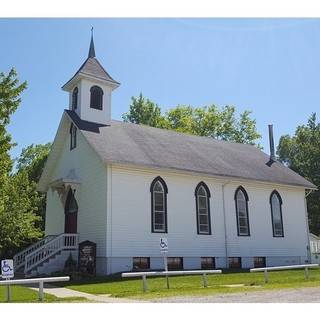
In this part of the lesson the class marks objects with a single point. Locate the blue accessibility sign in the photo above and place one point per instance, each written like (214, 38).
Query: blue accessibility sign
(7, 270)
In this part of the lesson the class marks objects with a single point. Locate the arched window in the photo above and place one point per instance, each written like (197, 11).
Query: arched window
(96, 97)
(73, 136)
(276, 214)
(74, 103)
(159, 192)
(202, 195)
(241, 200)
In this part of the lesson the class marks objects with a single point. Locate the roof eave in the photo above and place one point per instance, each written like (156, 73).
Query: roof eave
(81, 75)
(212, 175)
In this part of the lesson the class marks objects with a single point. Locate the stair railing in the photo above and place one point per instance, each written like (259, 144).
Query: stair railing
(64, 241)
(19, 258)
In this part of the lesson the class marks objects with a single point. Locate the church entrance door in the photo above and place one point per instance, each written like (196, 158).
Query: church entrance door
(71, 213)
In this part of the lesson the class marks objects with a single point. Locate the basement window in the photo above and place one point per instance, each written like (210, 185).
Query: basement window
(175, 263)
(208, 263)
(259, 262)
(234, 262)
(141, 263)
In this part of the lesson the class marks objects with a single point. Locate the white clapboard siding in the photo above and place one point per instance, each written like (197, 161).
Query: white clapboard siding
(131, 218)
(91, 195)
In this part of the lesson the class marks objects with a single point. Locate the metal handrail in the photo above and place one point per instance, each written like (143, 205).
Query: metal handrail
(279, 268)
(172, 273)
(41, 281)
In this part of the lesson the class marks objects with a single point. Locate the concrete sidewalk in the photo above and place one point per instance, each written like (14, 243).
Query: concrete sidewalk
(61, 292)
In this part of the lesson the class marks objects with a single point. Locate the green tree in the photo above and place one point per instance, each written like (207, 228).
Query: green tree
(17, 218)
(143, 111)
(301, 153)
(206, 121)
(18, 201)
(32, 161)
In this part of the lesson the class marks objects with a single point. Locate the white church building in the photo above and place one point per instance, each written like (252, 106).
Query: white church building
(124, 186)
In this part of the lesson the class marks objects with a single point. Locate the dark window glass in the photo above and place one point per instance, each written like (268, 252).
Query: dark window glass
(73, 136)
(96, 97)
(241, 200)
(276, 214)
(175, 263)
(234, 262)
(202, 195)
(141, 263)
(159, 205)
(74, 103)
(259, 262)
(208, 263)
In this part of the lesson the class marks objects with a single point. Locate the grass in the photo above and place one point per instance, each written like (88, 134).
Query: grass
(192, 285)
(179, 286)
(24, 294)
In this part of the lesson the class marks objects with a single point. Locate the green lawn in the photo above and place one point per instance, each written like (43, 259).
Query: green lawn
(23, 294)
(192, 285)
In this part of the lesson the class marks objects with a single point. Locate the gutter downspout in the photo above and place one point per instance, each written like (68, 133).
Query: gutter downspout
(225, 223)
(307, 225)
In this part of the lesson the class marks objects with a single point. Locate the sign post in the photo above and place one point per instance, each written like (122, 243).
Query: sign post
(7, 272)
(164, 250)
(87, 258)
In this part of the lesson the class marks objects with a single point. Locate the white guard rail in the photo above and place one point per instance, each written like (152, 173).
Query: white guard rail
(49, 249)
(144, 275)
(19, 258)
(298, 266)
(40, 281)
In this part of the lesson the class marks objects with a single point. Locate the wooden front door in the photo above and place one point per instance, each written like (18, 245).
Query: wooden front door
(71, 213)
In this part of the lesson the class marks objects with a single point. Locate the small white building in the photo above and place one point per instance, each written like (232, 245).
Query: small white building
(124, 186)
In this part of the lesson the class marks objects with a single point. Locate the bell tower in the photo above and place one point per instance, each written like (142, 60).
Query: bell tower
(90, 90)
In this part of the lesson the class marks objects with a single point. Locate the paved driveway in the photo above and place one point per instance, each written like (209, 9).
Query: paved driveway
(288, 295)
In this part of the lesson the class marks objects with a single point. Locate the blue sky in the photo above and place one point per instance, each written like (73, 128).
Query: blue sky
(269, 66)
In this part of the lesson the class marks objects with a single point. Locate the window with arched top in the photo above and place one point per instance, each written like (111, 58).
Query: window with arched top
(159, 192)
(241, 201)
(276, 214)
(73, 136)
(96, 97)
(74, 102)
(202, 195)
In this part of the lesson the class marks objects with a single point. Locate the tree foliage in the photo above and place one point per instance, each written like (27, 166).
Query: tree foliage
(206, 121)
(143, 111)
(33, 159)
(301, 153)
(31, 162)
(18, 197)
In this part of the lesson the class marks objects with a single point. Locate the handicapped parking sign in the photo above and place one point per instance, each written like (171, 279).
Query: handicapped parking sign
(163, 245)
(7, 269)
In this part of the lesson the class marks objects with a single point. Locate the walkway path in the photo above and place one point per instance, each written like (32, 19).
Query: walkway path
(61, 292)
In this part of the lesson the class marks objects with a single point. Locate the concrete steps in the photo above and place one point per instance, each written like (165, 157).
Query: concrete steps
(54, 264)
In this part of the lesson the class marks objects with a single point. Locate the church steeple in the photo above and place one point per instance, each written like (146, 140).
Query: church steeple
(90, 90)
(92, 53)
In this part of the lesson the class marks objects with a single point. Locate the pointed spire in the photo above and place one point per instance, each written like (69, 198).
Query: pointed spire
(92, 53)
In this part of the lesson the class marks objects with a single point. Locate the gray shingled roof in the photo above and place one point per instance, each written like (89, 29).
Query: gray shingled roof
(126, 143)
(93, 68)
